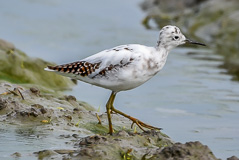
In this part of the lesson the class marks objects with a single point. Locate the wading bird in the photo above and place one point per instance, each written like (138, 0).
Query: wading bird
(124, 67)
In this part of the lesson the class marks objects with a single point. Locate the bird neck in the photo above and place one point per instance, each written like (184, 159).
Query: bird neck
(161, 53)
(162, 45)
(161, 49)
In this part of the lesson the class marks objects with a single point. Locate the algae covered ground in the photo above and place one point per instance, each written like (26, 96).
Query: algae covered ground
(33, 114)
(17, 67)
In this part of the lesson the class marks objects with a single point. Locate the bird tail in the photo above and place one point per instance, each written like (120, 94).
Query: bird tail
(50, 68)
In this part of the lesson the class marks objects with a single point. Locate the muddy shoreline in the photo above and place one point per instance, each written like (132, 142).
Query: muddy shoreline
(78, 126)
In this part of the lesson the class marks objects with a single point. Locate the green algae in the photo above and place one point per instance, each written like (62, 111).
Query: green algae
(17, 67)
(95, 128)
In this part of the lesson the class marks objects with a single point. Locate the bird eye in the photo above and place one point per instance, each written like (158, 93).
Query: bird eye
(176, 37)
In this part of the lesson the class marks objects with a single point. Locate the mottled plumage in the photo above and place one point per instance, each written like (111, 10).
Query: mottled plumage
(124, 67)
(120, 68)
(81, 68)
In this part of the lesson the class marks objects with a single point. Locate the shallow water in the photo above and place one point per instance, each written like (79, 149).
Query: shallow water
(191, 98)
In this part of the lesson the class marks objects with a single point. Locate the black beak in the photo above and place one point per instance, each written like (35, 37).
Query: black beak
(192, 42)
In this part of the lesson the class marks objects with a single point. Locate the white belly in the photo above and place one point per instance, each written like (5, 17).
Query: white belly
(126, 78)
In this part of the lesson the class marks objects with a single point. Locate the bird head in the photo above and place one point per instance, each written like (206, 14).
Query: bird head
(171, 37)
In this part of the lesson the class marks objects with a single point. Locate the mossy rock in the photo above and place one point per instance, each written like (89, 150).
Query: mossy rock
(17, 67)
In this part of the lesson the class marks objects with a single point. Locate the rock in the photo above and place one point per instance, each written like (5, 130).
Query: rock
(118, 146)
(39, 108)
(36, 106)
(70, 98)
(45, 153)
(3, 103)
(6, 46)
(96, 139)
(64, 151)
(75, 136)
(35, 91)
(233, 158)
(17, 67)
(134, 147)
(162, 12)
(187, 151)
(16, 155)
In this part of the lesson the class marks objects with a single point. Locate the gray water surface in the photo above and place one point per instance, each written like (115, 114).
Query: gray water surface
(191, 98)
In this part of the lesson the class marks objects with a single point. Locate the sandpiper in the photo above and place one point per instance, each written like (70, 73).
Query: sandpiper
(124, 67)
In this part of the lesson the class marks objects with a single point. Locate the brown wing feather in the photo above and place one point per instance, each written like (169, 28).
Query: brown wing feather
(82, 68)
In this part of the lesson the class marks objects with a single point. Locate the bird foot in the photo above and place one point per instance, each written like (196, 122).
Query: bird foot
(141, 124)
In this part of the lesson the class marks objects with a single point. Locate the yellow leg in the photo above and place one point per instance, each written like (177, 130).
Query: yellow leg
(109, 105)
(110, 108)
